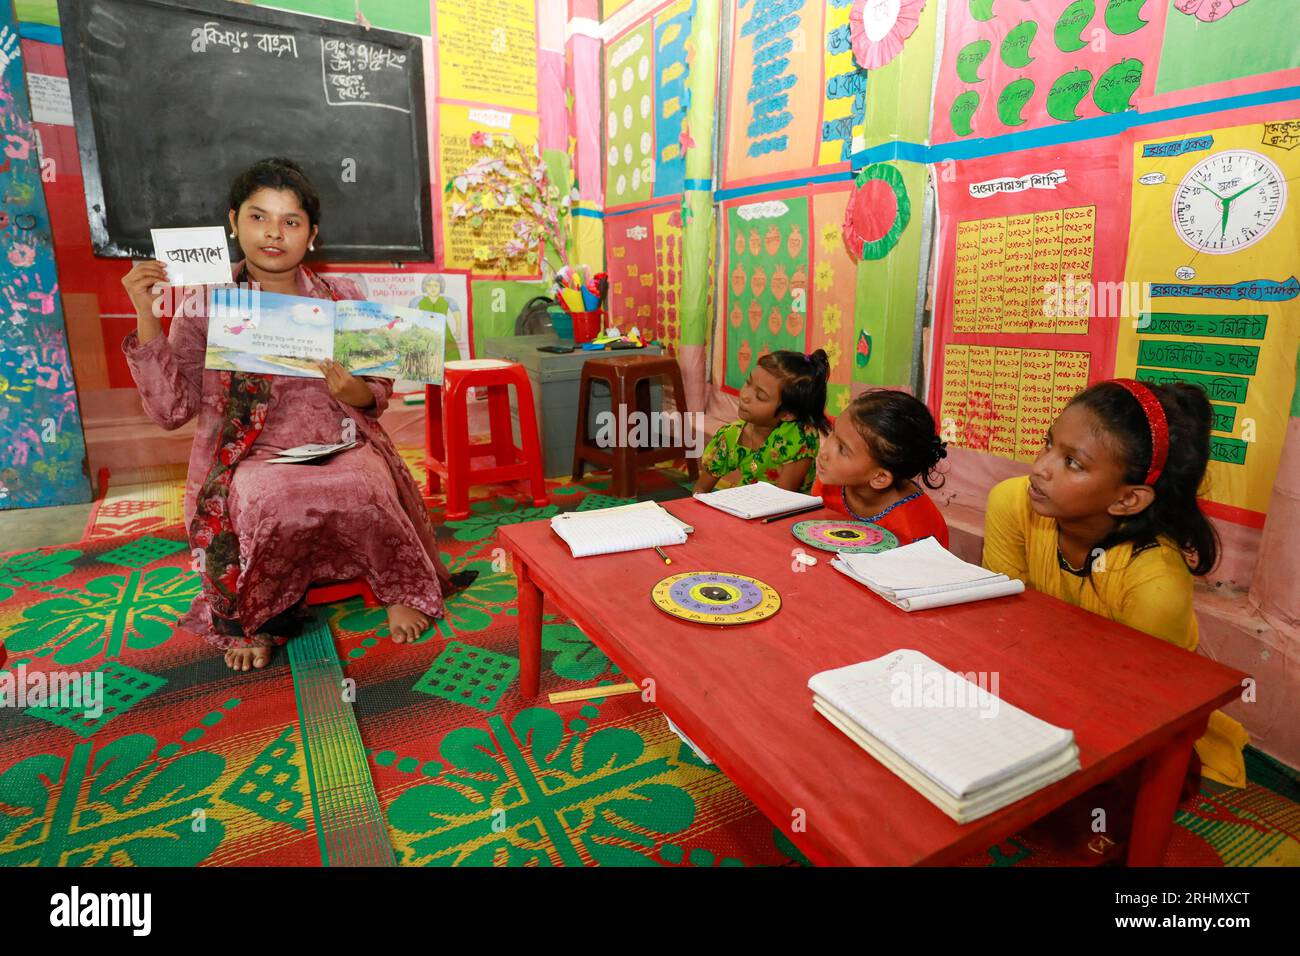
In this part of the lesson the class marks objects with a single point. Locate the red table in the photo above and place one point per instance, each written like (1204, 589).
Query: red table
(741, 692)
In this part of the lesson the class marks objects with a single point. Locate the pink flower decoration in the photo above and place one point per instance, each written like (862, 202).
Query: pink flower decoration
(877, 29)
(1207, 11)
(478, 138)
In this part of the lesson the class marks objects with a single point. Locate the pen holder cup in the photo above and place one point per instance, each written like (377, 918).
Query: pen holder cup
(561, 322)
(586, 325)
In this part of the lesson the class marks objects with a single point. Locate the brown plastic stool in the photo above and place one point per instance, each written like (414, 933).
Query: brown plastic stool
(628, 378)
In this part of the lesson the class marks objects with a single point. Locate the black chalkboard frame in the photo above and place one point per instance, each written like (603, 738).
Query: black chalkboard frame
(336, 248)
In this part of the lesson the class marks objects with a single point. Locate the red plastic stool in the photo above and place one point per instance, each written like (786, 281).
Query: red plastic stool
(448, 453)
(333, 593)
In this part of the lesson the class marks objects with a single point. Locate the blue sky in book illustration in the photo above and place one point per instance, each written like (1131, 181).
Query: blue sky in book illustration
(269, 333)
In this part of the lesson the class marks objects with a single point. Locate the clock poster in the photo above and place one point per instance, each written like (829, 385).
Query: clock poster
(1216, 232)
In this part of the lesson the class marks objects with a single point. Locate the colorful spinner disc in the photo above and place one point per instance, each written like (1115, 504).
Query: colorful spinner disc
(848, 537)
(715, 597)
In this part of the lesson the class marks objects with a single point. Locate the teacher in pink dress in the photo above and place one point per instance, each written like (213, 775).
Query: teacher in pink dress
(263, 533)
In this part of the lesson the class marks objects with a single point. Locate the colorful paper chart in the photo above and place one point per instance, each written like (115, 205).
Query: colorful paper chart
(630, 247)
(775, 94)
(487, 52)
(715, 597)
(1028, 293)
(1218, 48)
(767, 281)
(844, 90)
(1214, 234)
(666, 325)
(629, 119)
(845, 537)
(1033, 63)
(672, 95)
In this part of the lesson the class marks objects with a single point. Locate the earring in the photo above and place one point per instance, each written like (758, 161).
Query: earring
(233, 234)
(311, 247)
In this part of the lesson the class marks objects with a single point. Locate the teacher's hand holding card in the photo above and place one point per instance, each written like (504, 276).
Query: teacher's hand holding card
(145, 284)
(197, 256)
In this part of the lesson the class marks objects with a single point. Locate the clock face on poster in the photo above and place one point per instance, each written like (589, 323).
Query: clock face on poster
(1229, 202)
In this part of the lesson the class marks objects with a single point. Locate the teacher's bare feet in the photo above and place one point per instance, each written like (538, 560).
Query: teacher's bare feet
(247, 658)
(406, 624)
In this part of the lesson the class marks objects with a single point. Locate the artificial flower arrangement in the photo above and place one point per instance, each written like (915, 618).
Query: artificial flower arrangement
(509, 179)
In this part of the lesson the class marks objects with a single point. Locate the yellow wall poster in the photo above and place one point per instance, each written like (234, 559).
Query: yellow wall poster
(455, 126)
(1216, 232)
(487, 52)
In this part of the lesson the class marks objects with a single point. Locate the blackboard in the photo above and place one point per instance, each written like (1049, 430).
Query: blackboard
(174, 98)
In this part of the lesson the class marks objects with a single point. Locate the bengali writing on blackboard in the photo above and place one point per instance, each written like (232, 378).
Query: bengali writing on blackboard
(213, 34)
(346, 65)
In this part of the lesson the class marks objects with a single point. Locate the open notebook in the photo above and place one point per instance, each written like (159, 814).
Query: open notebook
(623, 528)
(965, 749)
(759, 500)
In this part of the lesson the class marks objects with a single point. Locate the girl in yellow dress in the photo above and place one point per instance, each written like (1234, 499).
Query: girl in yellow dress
(1107, 519)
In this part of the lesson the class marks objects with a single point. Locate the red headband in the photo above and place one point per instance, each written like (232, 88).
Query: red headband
(1159, 425)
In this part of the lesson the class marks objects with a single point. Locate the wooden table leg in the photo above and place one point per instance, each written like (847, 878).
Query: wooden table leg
(1157, 800)
(530, 630)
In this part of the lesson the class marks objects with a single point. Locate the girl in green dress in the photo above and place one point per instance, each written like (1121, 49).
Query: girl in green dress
(782, 418)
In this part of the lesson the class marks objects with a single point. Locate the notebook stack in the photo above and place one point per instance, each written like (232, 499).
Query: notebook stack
(924, 574)
(950, 738)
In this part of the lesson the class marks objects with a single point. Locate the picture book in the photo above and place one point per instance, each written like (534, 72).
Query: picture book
(255, 331)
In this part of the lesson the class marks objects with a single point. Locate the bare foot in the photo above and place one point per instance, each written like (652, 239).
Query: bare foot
(406, 624)
(244, 658)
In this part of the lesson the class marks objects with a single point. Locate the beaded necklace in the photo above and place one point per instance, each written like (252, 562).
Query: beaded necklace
(880, 514)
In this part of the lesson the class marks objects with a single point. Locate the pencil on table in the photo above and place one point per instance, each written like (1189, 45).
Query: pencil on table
(587, 693)
(667, 560)
(787, 514)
